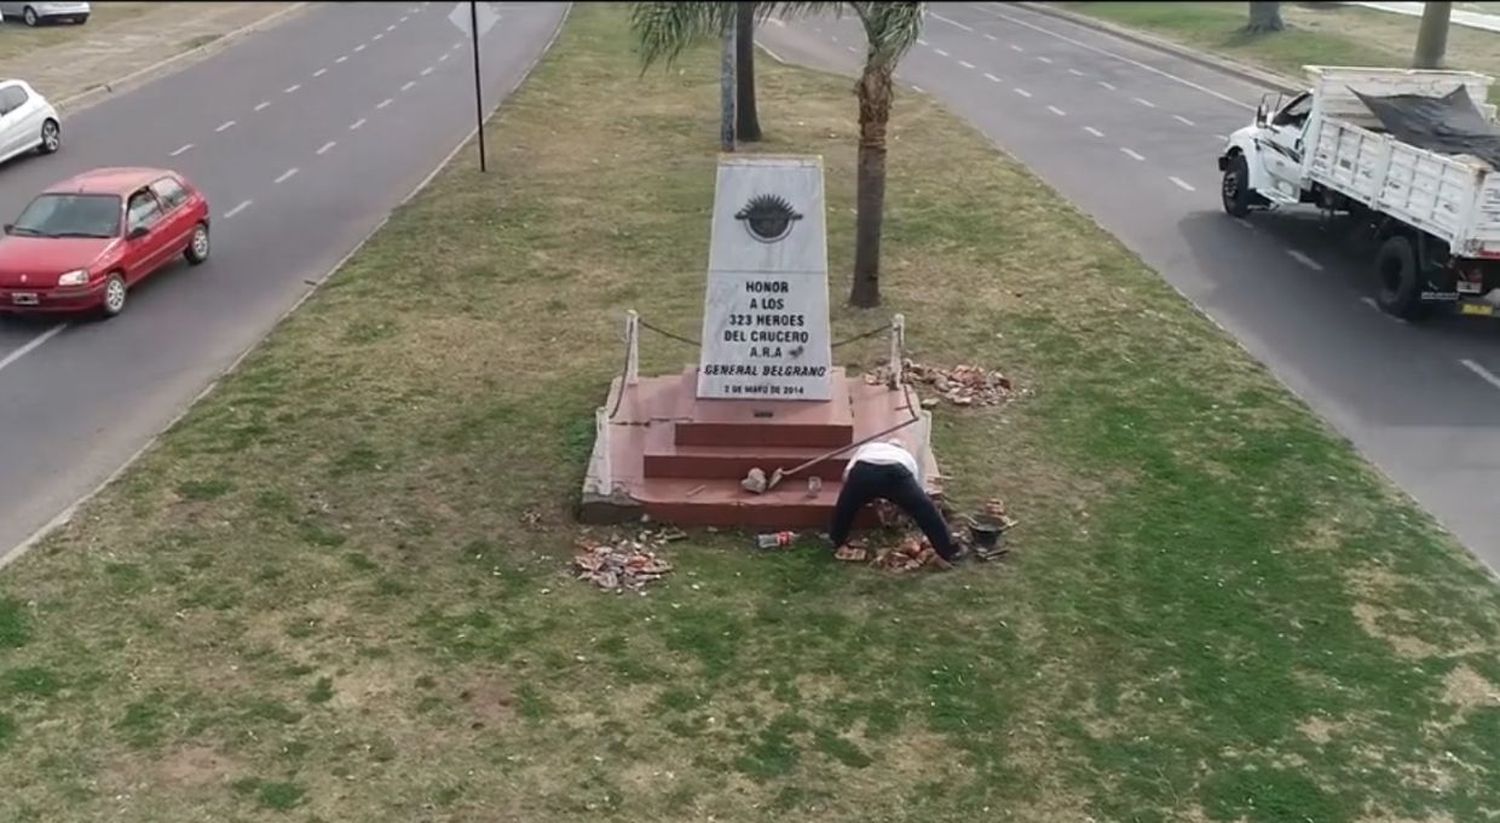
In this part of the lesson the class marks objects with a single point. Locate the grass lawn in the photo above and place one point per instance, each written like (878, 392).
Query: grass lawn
(17, 40)
(317, 598)
(1317, 33)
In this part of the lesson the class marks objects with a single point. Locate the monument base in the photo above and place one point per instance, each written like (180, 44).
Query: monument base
(668, 455)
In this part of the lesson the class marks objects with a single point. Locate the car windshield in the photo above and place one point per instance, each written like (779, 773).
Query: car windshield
(70, 215)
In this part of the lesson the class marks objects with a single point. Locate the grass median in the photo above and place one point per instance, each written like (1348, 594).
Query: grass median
(1327, 34)
(337, 589)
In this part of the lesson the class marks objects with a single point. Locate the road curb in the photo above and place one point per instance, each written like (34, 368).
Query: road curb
(142, 76)
(1238, 70)
(65, 516)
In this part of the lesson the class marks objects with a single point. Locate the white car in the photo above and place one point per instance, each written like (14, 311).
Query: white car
(32, 13)
(27, 121)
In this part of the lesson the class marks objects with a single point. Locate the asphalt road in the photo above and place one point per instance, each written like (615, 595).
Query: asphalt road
(1130, 136)
(304, 137)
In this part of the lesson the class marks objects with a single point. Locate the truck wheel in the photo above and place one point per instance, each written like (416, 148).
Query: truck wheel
(1235, 189)
(1400, 288)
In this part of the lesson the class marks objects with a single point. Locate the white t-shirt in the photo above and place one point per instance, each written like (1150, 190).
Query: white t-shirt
(885, 454)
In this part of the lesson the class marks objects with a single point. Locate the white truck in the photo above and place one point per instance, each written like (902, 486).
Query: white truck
(1414, 154)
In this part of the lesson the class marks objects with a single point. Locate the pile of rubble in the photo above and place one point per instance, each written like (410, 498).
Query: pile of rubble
(961, 385)
(910, 554)
(621, 564)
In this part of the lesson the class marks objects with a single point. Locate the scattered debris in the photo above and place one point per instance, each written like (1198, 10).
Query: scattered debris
(911, 554)
(755, 481)
(852, 552)
(814, 486)
(531, 519)
(961, 385)
(621, 564)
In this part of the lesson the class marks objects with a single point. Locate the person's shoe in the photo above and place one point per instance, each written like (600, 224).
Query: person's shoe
(949, 563)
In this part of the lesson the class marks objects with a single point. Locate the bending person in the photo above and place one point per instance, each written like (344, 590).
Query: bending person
(886, 470)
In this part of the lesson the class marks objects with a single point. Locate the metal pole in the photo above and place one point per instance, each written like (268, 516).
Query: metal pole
(478, 91)
(726, 91)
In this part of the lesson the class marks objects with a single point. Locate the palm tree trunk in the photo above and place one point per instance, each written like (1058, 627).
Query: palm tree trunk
(747, 123)
(874, 92)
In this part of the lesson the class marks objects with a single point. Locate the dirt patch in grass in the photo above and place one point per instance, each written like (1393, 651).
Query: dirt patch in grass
(314, 566)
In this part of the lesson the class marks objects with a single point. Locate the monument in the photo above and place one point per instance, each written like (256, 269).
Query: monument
(765, 393)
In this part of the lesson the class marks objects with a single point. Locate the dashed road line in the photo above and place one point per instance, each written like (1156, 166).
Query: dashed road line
(1107, 85)
(1015, 47)
(262, 105)
(378, 36)
(990, 37)
(391, 27)
(1304, 260)
(341, 58)
(1046, 60)
(293, 87)
(1484, 374)
(356, 124)
(444, 57)
(1057, 111)
(921, 42)
(244, 204)
(918, 89)
(320, 72)
(427, 71)
(407, 85)
(184, 147)
(404, 18)
(32, 345)
(966, 64)
(1131, 153)
(1222, 138)
(1144, 102)
(1244, 224)
(934, 15)
(1075, 72)
(992, 78)
(1183, 120)
(326, 146)
(383, 103)
(286, 175)
(940, 52)
(360, 47)
(1370, 301)
(1022, 92)
(1182, 184)
(227, 124)
(852, 49)
(1093, 131)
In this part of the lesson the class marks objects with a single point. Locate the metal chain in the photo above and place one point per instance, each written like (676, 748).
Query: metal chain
(665, 333)
(856, 338)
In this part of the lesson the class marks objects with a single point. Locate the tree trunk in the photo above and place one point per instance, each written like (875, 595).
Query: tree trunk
(1432, 37)
(874, 92)
(1264, 18)
(747, 124)
(726, 92)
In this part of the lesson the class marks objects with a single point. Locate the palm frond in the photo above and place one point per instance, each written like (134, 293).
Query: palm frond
(664, 29)
(891, 28)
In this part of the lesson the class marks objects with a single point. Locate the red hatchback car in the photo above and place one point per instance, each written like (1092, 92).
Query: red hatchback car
(83, 242)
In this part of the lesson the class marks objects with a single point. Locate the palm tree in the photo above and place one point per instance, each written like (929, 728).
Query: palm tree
(665, 29)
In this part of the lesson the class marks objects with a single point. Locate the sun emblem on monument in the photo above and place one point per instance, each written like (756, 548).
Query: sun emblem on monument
(768, 217)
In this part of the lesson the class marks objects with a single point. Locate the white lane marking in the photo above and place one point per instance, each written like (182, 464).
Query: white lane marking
(326, 146)
(1022, 92)
(1484, 374)
(444, 57)
(940, 52)
(779, 22)
(934, 15)
(286, 175)
(990, 37)
(1093, 131)
(378, 36)
(404, 18)
(992, 78)
(341, 58)
(293, 87)
(852, 49)
(921, 42)
(383, 103)
(391, 27)
(1107, 85)
(774, 55)
(1183, 120)
(1015, 47)
(1305, 260)
(1182, 184)
(916, 88)
(184, 147)
(1057, 111)
(427, 71)
(360, 47)
(356, 124)
(407, 85)
(1138, 64)
(227, 124)
(1075, 72)
(244, 204)
(1144, 102)
(31, 345)
(1046, 60)
(1131, 153)
(1370, 301)
(320, 72)
(1244, 223)
(966, 64)
(1223, 138)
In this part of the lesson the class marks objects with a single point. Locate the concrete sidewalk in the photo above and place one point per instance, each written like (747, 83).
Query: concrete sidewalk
(76, 65)
(1458, 17)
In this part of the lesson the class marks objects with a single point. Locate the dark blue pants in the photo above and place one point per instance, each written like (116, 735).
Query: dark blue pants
(872, 481)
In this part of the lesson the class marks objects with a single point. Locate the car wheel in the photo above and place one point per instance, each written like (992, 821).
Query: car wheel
(1235, 190)
(29, 17)
(51, 136)
(197, 249)
(114, 295)
(1398, 286)
(81, 20)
